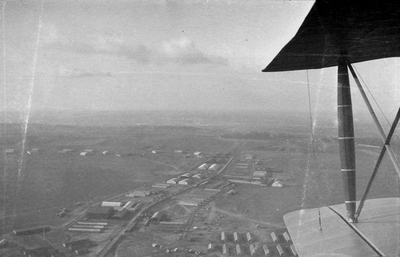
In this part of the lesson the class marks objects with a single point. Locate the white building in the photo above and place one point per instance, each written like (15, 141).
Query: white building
(204, 166)
(238, 249)
(223, 237)
(185, 182)
(248, 236)
(214, 167)
(198, 176)
(189, 202)
(139, 193)
(224, 249)
(111, 204)
(266, 250)
(161, 185)
(9, 151)
(235, 237)
(172, 181)
(277, 184)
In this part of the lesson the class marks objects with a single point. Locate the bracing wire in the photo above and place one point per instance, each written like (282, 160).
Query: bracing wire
(377, 104)
(311, 117)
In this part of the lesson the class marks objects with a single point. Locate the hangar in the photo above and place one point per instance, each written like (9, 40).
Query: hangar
(99, 213)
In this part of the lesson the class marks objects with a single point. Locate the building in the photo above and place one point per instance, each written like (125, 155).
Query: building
(173, 181)
(287, 237)
(82, 251)
(42, 251)
(231, 192)
(83, 243)
(186, 175)
(30, 231)
(235, 236)
(9, 151)
(136, 207)
(277, 184)
(65, 150)
(159, 216)
(34, 151)
(90, 230)
(186, 182)
(266, 250)
(161, 185)
(111, 204)
(248, 236)
(238, 249)
(224, 249)
(258, 174)
(87, 226)
(139, 193)
(100, 212)
(213, 167)
(3, 243)
(190, 202)
(280, 250)
(242, 165)
(198, 176)
(294, 252)
(223, 237)
(204, 166)
(274, 237)
(121, 214)
(92, 223)
(252, 249)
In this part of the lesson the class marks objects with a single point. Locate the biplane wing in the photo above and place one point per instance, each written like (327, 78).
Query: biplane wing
(326, 232)
(362, 31)
(339, 33)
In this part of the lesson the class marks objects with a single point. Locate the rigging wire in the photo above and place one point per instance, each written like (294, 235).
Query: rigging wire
(311, 117)
(377, 104)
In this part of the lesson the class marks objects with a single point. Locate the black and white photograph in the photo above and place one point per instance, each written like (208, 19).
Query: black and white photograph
(215, 128)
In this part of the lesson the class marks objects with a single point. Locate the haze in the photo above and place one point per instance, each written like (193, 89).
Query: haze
(164, 55)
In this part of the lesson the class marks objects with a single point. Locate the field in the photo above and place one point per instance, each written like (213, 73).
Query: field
(37, 184)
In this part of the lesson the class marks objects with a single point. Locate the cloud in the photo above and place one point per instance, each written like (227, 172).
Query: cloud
(79, 73)
(141, 53)
(181, 51)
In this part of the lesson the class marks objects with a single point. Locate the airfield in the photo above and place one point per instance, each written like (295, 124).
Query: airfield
(150, 190)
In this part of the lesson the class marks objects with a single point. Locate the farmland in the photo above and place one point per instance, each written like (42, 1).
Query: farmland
(48, 181)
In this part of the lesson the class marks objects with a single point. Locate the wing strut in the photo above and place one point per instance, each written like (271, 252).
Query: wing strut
(386, 141)
(346, 138)
(382, 154)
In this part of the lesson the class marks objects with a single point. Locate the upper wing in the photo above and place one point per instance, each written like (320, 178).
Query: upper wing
(376, 233)
(361, 30)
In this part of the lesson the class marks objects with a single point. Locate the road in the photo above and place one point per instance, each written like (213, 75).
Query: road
(106, 250)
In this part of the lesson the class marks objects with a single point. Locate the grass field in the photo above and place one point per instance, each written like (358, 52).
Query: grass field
(35, 187)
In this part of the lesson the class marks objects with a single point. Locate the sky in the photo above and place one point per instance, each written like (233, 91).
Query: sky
(165, 55)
